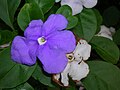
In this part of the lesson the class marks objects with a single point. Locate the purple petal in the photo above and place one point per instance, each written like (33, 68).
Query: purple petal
(53, 60)
(33, 46)
(20, 51)
(33, 31)
(54, 22)
(64, 40)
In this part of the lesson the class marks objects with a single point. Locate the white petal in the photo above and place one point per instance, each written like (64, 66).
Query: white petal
(89, 3)
(82, 50)
(105, 35)
(57, 1)
(104, 29)
(105, 32)
(64, 75)
(112, 30)
(76, 5)
(78, 71)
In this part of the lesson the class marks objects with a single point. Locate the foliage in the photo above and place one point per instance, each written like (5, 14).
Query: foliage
(104, 60)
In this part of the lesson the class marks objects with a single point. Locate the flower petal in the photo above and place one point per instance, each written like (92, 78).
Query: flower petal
(82, 50)
(33, 46)
(33, 31)
(54, 22)
(54, 60)
(78, 71)
(20, 51)
(64, 40)
(64, 75)
(105, 32)
(76, 5)
(89, 3)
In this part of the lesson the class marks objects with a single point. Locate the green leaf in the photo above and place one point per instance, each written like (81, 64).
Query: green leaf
(106, 48)
(116, 37)
(25, 86)
(42, 77)
(65, 10)
(111, 16)
(87, 24)
(7, 11)
(45, 5)
(51, 11)
(102, 76)
(27, 13)
(72, 22)
(6, 36)
(11, 73)
(99, 19)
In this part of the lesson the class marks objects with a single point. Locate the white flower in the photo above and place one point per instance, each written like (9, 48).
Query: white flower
(64, 75)
(89, 3)
(76, 67)
(78, 70)
(106, 32)
(77, 5)
(82, 50)
(112, 30)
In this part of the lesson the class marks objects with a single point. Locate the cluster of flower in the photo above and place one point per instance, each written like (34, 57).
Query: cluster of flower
(76, 68)
(50, 43)
(55, 47)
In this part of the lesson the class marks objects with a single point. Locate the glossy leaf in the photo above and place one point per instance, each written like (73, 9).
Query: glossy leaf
(65, 10)
(106, 48)
(25, 86)
(42, 77)
(72, 22)
(6, 36)
(11, 73)
(27, 13)
(87, 24)
(99, 19)
(116, 37)
(102, 76)
(45, 5)
(51, 11)
(7, 11)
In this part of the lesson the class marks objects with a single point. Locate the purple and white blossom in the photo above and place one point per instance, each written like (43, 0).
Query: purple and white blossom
(48, 41)
(76, 68)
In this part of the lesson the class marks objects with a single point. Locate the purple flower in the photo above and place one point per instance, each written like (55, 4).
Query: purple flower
(47, 41)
